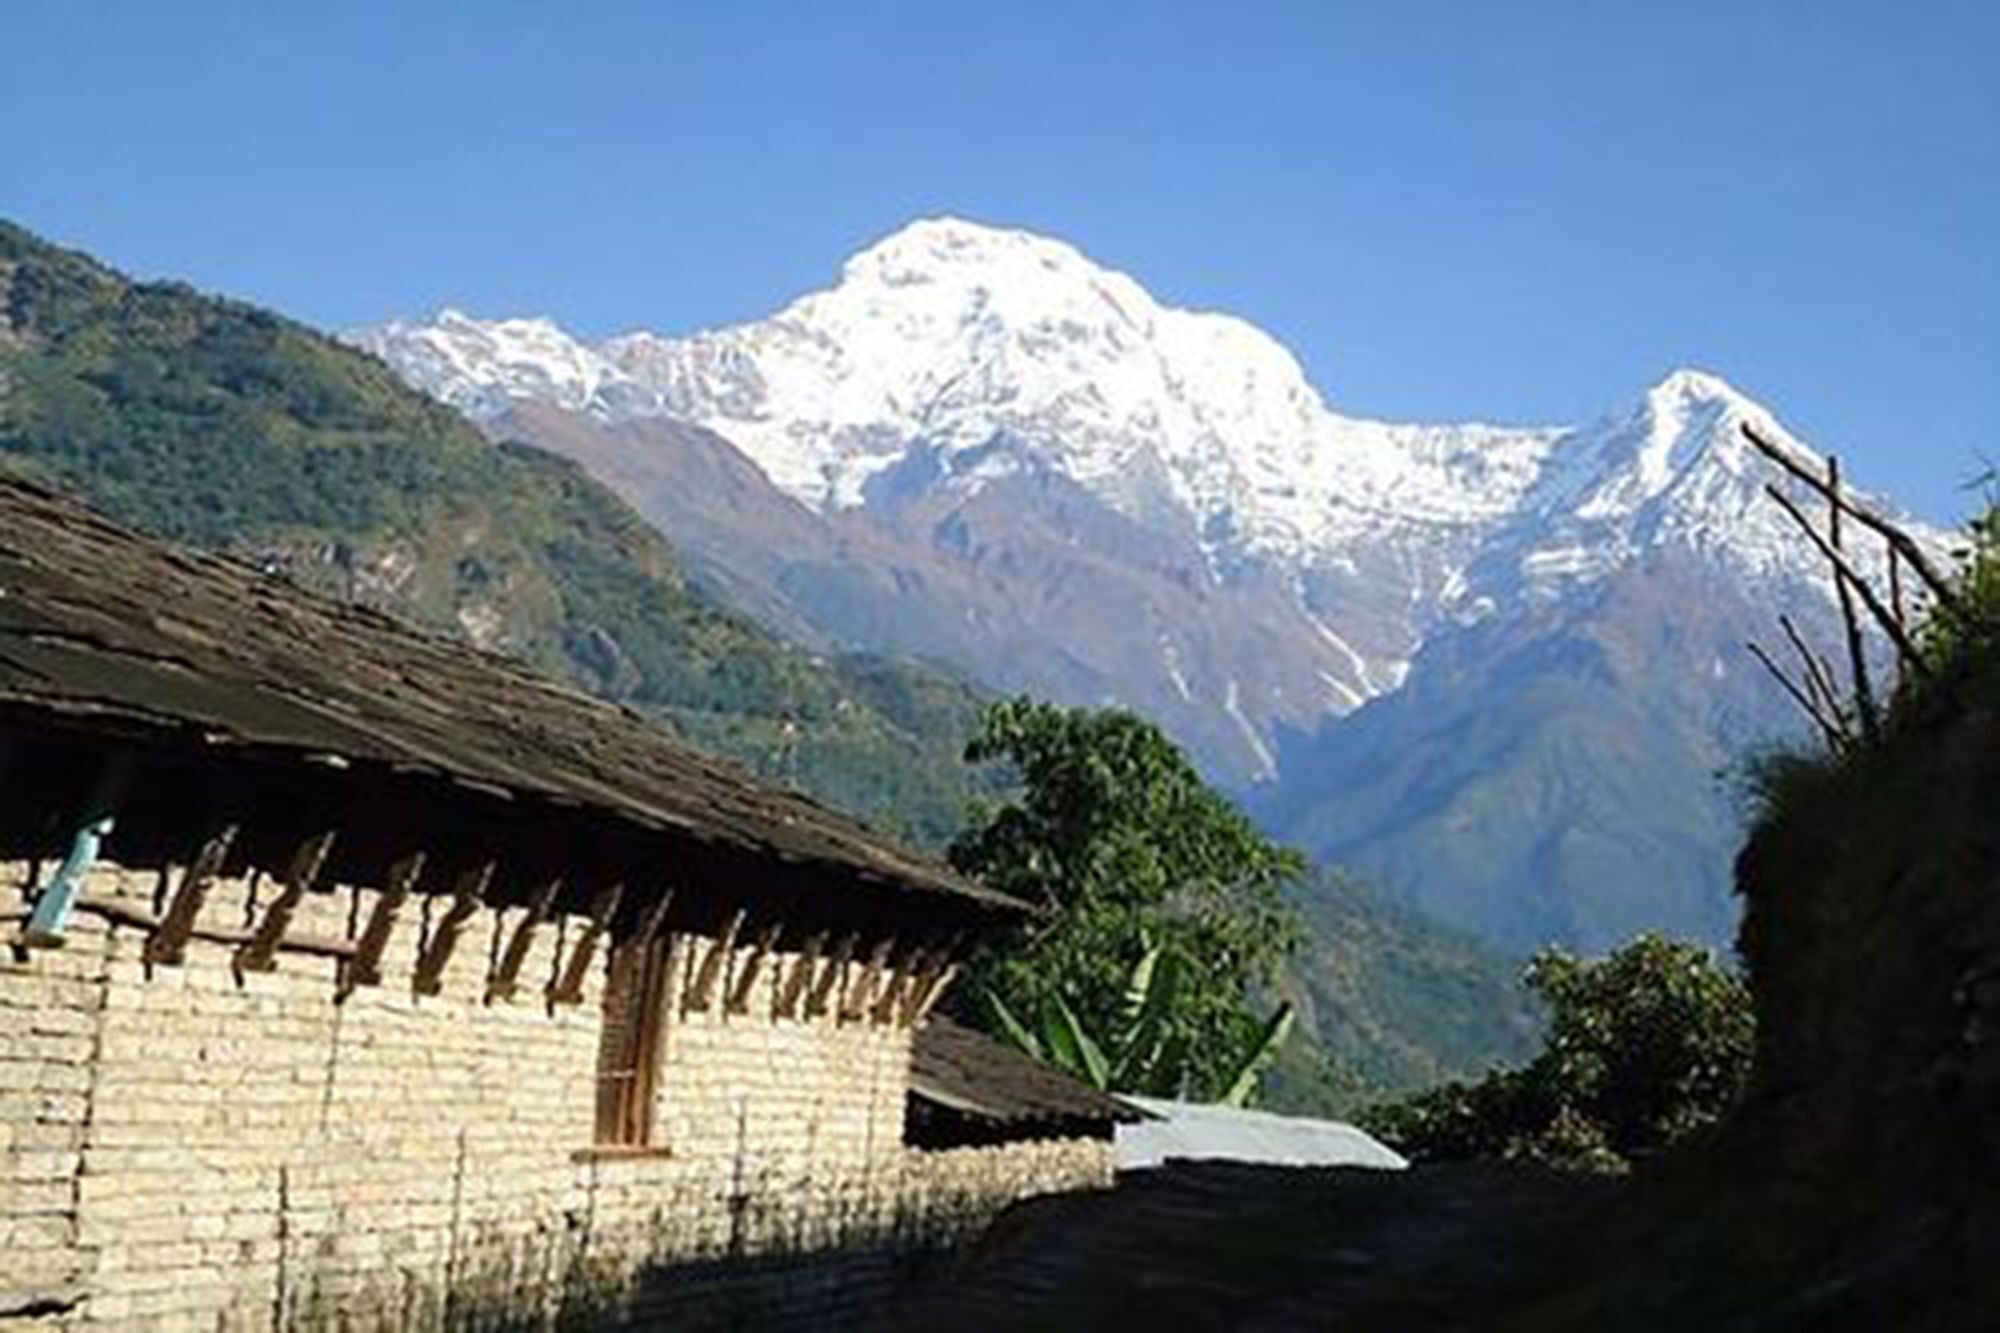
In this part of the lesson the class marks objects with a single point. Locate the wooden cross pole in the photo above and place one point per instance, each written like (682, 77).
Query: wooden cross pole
(1939, 586)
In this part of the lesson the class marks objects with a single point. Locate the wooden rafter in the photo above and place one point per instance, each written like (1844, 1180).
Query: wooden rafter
(167, 945)
(746, 980)
(260, 953)
(829, 975)
(793, 989)
(568, 989)
(1836, 736)
(702, 990)
(927, 995)
(506, 978)
(903, 974)
(397, 885)
(1817, 671)
(861, 994)
(468, 895)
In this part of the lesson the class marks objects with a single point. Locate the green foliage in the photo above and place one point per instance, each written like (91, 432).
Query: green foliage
(1974, 632)
(1142, 1054)
(1644, 1047)
(1118, 838)
(215, 423)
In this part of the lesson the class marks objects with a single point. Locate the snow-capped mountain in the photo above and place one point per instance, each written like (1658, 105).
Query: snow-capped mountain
(949, 336)
(980, 445)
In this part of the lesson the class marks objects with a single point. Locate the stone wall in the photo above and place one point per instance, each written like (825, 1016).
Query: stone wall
(181, 1146)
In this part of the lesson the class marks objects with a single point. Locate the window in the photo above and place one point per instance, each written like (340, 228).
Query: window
(628, 1052)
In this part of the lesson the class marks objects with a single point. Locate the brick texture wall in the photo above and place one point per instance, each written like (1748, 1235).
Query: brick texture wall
(184, 1147)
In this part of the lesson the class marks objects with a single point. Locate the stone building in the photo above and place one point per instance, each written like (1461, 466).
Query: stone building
(353, 977)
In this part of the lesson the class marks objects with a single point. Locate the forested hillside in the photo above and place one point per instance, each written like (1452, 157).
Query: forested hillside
(217, 423)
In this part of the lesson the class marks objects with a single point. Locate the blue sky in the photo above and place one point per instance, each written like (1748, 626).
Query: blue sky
(1521, 212)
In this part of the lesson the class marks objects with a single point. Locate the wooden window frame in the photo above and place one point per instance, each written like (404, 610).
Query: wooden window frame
(632, 1043)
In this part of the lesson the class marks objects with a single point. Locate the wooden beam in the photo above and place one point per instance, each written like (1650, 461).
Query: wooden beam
(929, 994)
(506, 978)
(739, 991)
(862, 994)
(701, 990)
(1857, 650)
(1940, 587)
(816, 1001)
(366, 969)
(1844, 571)
(625, 952)
(124, 912)
(468, 895)
(902, 977)
(569, 989)
(260, 952)
(169, 945)
(793, 988)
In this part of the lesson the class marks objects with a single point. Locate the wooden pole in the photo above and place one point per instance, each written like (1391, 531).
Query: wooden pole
(1818, 674)
(1835, 737)
(1940, 587)
(1857, 649)
(1904, 646)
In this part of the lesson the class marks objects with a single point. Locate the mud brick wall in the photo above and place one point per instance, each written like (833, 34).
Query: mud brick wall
(184, 1147)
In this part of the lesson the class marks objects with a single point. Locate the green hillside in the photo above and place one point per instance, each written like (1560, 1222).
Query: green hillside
(1393, 1001)
(213, 422)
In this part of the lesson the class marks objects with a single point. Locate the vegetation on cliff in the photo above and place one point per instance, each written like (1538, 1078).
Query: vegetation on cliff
(1644, 1047)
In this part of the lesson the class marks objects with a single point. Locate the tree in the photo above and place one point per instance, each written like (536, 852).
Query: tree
(1140, 1055)
(1644, 1047)
(1123, 845)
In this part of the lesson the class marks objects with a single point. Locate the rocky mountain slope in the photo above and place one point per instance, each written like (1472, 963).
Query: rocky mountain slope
(1430, 651)
(221, 424)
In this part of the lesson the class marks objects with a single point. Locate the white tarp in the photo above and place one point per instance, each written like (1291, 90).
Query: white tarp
(1226, 1133)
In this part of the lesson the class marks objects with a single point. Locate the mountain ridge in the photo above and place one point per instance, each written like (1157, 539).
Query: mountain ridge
(989, 442)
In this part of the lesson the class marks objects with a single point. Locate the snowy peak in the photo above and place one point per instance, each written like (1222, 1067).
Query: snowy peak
(482, 367)
(949, 335)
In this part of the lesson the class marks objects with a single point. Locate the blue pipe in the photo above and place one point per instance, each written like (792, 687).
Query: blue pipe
(52, 909)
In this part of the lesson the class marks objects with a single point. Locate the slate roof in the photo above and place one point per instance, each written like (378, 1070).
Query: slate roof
(975, 1075)
(107, 630)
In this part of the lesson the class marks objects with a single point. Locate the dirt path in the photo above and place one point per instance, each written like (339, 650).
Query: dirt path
(1225, 1246)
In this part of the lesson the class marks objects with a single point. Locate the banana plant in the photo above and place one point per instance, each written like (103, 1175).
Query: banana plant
(1142, 1054)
